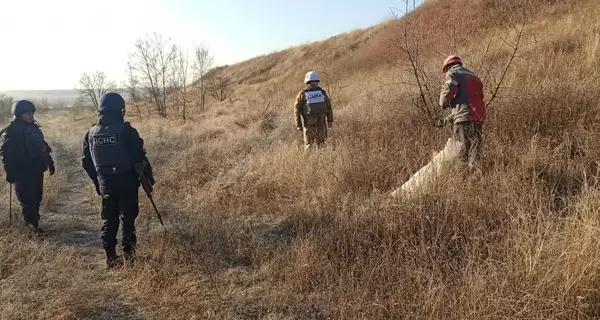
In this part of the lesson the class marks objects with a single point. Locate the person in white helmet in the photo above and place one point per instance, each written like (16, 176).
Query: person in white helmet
(313, 112)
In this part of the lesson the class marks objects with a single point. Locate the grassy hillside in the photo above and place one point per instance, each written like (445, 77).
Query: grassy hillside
(257, 230)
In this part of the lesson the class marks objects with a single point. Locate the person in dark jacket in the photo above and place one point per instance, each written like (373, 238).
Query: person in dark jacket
(111, 149)
(25, 157)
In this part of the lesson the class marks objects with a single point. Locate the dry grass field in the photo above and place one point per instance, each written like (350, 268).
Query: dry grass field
(255, 229)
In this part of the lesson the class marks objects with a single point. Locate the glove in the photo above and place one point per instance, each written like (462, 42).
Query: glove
(10, 178)
(151, 180)
(145, 169)
(330, 125)
(51, 168)
(97, 185)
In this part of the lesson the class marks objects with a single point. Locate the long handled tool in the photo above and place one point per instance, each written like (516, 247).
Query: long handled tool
(148, 189)
(154, 206)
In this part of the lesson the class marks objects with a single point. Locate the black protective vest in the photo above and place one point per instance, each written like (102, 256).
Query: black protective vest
(35, 146)
(108, 149)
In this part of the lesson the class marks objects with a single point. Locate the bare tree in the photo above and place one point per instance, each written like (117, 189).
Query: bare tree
(92, 86)
(219, 87)
(514, 45)
(6, 103)
(151, 65)
(409, 46)
(180, 80)
(203, 61)
(133, 91)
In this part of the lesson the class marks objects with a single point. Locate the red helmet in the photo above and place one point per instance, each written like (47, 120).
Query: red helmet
(450, 60)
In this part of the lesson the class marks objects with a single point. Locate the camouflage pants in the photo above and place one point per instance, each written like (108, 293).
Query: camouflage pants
(315, 136)
(470, 135)
(315, 132)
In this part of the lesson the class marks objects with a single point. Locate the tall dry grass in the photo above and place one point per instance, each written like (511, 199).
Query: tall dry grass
(256, 229)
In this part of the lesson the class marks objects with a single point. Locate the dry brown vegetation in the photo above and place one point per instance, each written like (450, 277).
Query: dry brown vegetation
(257, 230)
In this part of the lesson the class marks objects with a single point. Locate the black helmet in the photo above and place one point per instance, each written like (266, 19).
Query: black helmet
(112, 102)
(21, 107)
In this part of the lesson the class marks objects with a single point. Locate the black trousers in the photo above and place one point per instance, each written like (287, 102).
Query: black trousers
(123, 206)
(29, 188)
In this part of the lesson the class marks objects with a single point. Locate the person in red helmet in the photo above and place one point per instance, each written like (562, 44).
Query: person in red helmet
(462, 93)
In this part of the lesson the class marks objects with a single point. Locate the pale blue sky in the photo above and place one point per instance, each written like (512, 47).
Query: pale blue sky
(48, 44)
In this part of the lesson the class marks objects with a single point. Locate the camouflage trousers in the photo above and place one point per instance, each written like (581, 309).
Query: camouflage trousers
(315, 135)
(471, 137)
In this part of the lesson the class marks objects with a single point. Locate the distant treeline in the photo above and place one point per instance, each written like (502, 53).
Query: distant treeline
(49, 98)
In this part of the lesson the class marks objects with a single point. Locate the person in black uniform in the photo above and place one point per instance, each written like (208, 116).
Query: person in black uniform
(111, 149)
(26, 156)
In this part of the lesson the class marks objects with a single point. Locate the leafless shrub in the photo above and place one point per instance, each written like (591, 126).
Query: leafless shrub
(219, 87)
(203, 61)
(151, 65)
(92, 86)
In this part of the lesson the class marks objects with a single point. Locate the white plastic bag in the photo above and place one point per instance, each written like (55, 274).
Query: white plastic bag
(430, 171)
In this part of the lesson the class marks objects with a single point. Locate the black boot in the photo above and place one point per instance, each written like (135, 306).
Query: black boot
(112, 260)
(129, 255)
(41, 232)
(35, 229)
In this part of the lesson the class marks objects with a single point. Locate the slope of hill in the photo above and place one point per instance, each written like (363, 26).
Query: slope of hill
(257, 230)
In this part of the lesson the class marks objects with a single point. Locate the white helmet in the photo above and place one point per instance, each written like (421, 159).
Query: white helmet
(311, 76)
